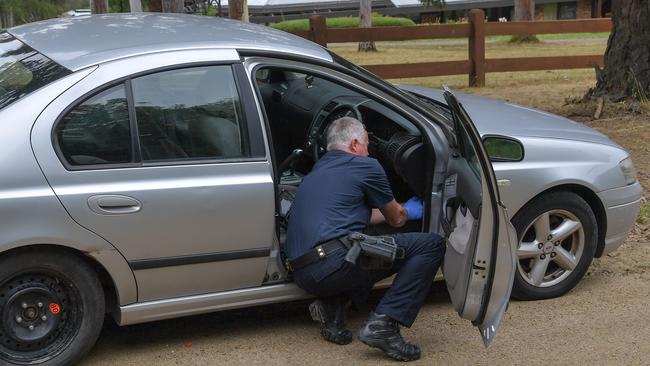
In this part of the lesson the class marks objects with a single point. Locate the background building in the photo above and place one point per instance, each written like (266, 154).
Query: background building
(269, 11)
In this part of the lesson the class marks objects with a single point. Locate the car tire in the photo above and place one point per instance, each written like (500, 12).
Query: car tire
(549, 264)
(51, 308)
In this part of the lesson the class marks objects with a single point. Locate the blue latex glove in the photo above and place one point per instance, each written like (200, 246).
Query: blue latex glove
(414, 208)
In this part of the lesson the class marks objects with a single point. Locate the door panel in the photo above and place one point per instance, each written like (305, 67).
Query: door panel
(479, 262)
(186, 211)
(199, 220)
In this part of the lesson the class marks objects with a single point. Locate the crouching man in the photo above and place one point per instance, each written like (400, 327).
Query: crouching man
(345, 191)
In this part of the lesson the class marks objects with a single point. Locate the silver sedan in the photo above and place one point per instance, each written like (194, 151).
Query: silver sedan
(149, 163)
(558, 179)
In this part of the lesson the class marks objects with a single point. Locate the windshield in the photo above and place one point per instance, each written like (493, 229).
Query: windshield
(439, 113)
(23, 70)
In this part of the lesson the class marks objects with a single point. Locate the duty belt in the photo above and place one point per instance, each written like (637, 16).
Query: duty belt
(317, 253)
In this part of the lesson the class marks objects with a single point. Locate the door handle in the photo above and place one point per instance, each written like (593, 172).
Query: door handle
(111, 204)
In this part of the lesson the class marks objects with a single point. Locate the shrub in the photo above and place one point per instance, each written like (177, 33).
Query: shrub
(302, 25)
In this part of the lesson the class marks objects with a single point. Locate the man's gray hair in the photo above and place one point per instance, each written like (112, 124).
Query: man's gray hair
(342, 131)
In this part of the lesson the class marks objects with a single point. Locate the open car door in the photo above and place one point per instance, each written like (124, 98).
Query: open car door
(479, 264)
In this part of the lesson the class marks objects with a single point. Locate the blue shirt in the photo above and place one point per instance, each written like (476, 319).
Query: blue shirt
(334, 199)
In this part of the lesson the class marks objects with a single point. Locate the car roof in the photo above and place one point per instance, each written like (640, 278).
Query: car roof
(79, 42)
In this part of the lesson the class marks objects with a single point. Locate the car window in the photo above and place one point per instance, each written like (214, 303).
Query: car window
(189, 114)
(97, 131)
(468, 152)
(23, 70)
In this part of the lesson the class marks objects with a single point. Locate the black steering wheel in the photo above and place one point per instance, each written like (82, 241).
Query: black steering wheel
(316, 139)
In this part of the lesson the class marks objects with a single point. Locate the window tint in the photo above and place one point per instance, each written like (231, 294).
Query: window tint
(97, 131)
(189, 114)
(566, 10)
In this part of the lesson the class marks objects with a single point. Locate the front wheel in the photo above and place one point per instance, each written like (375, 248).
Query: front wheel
(557, 240)
(51, 308)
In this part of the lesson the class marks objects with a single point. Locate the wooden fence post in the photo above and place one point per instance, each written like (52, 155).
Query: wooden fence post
(477, 48)
(318, 30)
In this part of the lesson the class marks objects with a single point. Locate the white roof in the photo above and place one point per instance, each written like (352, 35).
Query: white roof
(292, 2)
(397, 3)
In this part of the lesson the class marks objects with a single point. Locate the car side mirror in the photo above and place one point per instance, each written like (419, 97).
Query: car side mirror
(501, 148)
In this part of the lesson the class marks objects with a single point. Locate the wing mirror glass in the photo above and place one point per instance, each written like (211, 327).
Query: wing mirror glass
(500, 148)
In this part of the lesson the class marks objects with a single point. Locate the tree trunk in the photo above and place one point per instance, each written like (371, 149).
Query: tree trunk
(627, 58)
(10, 17)
(154, 6)
(524, 10)
(238, 9)
(99, 6)
(135, 6)
(365, 21)
(173, 6)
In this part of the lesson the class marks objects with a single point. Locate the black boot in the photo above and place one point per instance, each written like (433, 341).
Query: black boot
(380, 331)
(331, 313)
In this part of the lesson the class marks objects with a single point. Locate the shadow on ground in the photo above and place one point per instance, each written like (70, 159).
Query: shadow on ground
(233, 323)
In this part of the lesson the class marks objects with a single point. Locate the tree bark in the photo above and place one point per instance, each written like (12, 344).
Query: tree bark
(173, 6)
(238, 9)
(524, 10)
(10, 17)
(135, 6)
(365, 21)
(627, 58)
(99, 6)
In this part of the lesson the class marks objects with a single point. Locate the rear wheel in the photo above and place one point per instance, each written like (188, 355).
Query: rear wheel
(557, 240)
(51, 308)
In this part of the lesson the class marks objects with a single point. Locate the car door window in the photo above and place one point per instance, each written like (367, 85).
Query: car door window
(97, 131)
(189, 114)
(468, 152)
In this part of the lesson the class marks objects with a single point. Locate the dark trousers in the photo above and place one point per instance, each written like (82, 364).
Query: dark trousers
(423, 254)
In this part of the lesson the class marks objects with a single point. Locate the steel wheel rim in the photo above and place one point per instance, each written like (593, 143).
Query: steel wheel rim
(542, 262)
(61, 305)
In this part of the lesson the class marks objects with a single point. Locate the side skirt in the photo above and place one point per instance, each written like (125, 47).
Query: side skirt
(207, 303)
(227, 300)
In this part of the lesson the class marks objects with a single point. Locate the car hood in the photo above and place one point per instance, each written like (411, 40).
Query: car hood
(502, 118)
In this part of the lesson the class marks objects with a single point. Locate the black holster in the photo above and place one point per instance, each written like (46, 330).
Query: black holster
(372, 252)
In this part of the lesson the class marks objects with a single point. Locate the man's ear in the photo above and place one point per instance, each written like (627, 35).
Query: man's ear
(353, 145)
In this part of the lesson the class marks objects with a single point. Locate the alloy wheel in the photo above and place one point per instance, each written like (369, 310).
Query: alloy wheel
(550, 248)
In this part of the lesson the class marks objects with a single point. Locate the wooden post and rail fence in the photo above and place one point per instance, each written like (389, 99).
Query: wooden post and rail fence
(476, 31)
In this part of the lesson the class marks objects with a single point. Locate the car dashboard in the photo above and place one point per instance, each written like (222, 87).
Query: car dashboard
(301, 107)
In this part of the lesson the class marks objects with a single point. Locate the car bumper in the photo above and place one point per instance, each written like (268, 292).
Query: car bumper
(622, 207)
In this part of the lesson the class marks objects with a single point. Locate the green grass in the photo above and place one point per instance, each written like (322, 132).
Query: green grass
(302, 25)
(644, 214)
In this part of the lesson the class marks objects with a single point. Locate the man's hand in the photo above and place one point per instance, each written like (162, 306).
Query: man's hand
(396, 215)
(414, 208)
(392, 213)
